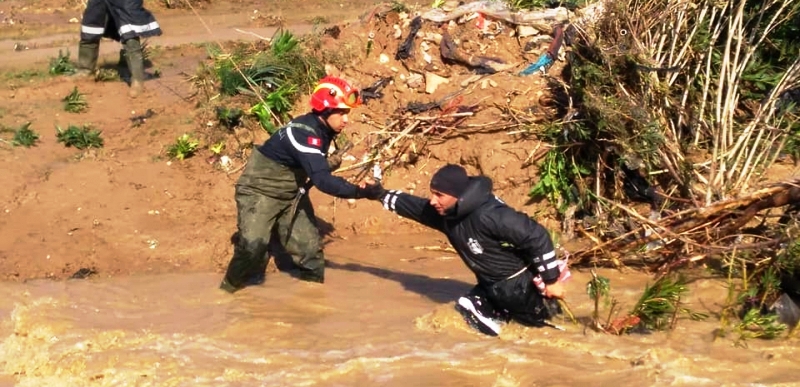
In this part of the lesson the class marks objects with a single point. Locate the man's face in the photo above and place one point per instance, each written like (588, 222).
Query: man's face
(442, 201)
(338, 120)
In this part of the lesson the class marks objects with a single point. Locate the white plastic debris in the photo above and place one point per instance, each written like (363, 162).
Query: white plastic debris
(225, 162)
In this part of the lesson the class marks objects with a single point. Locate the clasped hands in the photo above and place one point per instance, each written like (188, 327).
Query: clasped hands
(370, 189)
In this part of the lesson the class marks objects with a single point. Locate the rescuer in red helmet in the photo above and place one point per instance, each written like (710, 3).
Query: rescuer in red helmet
(271, 193)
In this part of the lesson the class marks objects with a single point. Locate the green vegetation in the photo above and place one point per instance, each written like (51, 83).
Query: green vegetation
(22, 136)
(61, 65)
(75, 102)
(539, 4)
(754, 284)
(658, 308)
(276, 76)
(185, 146)
(84, 137)
(229, 117)
(660, 305)
(25, 136)
(650, 94)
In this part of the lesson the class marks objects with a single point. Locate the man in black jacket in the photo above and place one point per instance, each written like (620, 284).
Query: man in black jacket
(511, 255)
(271, 193)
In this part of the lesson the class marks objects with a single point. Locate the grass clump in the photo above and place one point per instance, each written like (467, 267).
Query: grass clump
(184, 147)
(229, 117)
(61, 64)
(660, 304)
(25, 136)
(22, 136)
(75, 102)
(83, 137)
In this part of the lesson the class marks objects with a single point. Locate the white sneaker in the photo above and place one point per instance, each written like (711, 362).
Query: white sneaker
(470, 307)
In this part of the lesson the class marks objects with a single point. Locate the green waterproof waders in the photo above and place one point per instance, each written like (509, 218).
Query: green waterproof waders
(264, 195)
(135, 60)
(87, 58)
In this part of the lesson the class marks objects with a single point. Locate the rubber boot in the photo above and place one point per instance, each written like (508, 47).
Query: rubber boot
(135, 59)
(87, 58)
(122, 64)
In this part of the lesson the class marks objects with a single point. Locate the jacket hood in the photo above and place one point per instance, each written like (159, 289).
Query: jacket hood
(478, 192)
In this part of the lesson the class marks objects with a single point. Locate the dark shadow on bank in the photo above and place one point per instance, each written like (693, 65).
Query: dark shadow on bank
(439, 290)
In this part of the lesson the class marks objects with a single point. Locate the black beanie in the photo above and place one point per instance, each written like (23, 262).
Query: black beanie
(450, 179)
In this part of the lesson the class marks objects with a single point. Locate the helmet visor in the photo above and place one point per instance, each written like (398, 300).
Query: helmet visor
(352, 99)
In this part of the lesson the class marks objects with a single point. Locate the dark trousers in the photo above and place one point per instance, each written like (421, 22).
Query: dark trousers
(119, 20)
(517, 299)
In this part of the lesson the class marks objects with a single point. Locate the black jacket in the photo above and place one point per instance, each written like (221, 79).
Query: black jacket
(494, 240)
(303, 144)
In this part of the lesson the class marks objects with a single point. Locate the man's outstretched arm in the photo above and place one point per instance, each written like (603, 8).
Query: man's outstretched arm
(412, 207)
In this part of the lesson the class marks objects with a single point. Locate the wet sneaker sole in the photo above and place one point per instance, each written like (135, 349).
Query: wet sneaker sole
(485, 325)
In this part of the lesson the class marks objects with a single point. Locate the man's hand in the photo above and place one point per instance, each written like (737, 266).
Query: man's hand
(367, 181)
(371, 191)
(335, 161)
(554, 290)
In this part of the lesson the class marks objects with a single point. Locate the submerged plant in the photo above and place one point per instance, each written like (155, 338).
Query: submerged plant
(598, 288)
(754, 325)
(657, 308)
(660, 304)
(761, 286)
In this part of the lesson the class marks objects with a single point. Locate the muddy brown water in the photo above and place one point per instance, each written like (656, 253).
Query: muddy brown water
(384, 317)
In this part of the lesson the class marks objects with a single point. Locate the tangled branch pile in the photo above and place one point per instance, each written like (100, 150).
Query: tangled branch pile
(684, 106)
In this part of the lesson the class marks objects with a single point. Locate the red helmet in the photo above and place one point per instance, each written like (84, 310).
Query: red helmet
(334, 93)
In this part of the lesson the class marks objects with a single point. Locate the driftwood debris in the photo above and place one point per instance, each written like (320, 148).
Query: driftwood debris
(692, 235)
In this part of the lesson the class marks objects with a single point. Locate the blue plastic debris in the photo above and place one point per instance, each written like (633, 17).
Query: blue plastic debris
(544, 60)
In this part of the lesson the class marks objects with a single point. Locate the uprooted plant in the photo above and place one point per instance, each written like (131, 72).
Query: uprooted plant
(275, 74)
(658, 308)
(106, 75)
